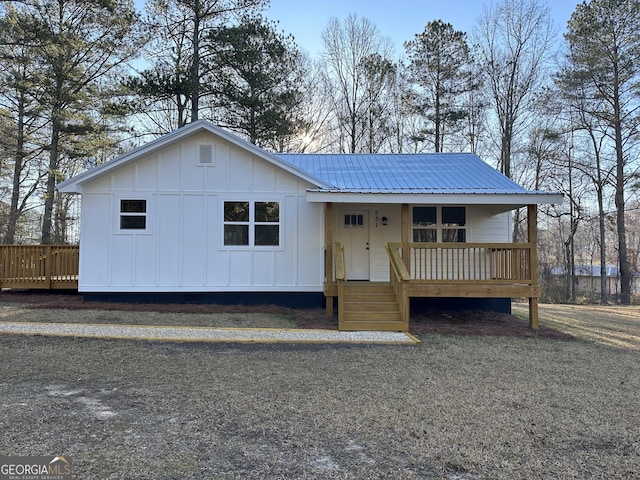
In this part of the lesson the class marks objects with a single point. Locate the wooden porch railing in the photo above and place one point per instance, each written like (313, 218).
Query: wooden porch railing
(39, 266)
(469, 263)
(478, 270)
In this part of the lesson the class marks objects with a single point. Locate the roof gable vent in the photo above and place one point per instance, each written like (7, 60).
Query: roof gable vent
(205, 154)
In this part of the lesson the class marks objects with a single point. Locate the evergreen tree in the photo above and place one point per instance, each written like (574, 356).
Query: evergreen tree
(178, 79)
(256, 87)
(439, 69)
(21, 116)
(76, 43)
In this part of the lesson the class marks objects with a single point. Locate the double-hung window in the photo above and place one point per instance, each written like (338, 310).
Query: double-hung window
(439, 224)
(133, 214)
(252, 223)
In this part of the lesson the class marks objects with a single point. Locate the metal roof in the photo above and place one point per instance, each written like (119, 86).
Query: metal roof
(463, 173)
(364, 178)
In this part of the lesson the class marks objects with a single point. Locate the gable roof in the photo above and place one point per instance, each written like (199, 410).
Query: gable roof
(443, 178)
(75, 184)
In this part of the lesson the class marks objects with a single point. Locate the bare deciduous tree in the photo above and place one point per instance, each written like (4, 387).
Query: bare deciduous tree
(514, 42)
(349, 46)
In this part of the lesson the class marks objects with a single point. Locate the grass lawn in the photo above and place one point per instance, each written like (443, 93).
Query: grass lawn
(454, 407)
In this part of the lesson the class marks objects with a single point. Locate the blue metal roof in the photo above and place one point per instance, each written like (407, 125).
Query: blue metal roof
(399, 173)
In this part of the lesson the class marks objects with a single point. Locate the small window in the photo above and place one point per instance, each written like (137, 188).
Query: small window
(252, 224)
(133, 214)
(353, 220)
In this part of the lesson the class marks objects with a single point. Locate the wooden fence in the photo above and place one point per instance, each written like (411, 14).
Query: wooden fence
(39, 266)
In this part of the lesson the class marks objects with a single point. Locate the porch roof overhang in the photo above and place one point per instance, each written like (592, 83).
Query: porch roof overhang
(502, 200)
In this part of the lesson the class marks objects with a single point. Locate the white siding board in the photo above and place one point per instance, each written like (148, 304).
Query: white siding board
(191, 172)
(169, 169)
(146, 172)
(123, 179)
(284, 272)
(95, 237)
(240, 268)
(215, 177)
(103, 184)
(285, 182)
(263, 268)
(308, 250)
(263, 176)
(169, 240)
(122, 261)
(240, 173)
(285, 260)
(223, 151)
(145, 260)
(193, 240)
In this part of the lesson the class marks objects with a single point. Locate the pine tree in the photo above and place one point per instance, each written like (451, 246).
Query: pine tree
(603, 58)
(439, 69)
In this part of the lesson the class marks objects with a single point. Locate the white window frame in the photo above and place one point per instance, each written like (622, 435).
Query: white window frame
(439, 227)
(252, 223)
(146, 214)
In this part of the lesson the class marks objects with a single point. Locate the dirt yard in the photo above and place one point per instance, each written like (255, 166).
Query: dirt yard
(211, 315)
(459, 406)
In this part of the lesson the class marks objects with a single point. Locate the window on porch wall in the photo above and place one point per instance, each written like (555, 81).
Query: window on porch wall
(440, 224)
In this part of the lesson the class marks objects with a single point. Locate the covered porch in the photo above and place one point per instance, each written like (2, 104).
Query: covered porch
(429, 270)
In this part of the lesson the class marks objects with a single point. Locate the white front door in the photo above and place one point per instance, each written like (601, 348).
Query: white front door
(353, 234)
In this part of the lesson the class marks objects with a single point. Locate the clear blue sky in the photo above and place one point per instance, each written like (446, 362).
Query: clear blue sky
(398, 19)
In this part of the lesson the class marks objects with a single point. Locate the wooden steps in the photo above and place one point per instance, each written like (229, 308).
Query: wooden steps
(370, 306)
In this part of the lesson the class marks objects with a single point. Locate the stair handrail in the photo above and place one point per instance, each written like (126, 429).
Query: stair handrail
(397, 265)
(340, 263)
(399, 278)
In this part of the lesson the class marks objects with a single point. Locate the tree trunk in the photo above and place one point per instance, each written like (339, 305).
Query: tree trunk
(51, 183)
(604, 294)
(195, 66)
(625, 270)
(14, 211)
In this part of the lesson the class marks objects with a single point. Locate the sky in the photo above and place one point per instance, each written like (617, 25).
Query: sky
(398, 19)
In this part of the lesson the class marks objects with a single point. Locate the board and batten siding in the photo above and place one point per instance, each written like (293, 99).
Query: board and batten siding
(182, 248)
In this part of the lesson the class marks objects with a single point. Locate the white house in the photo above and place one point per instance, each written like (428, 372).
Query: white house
(201, 211)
